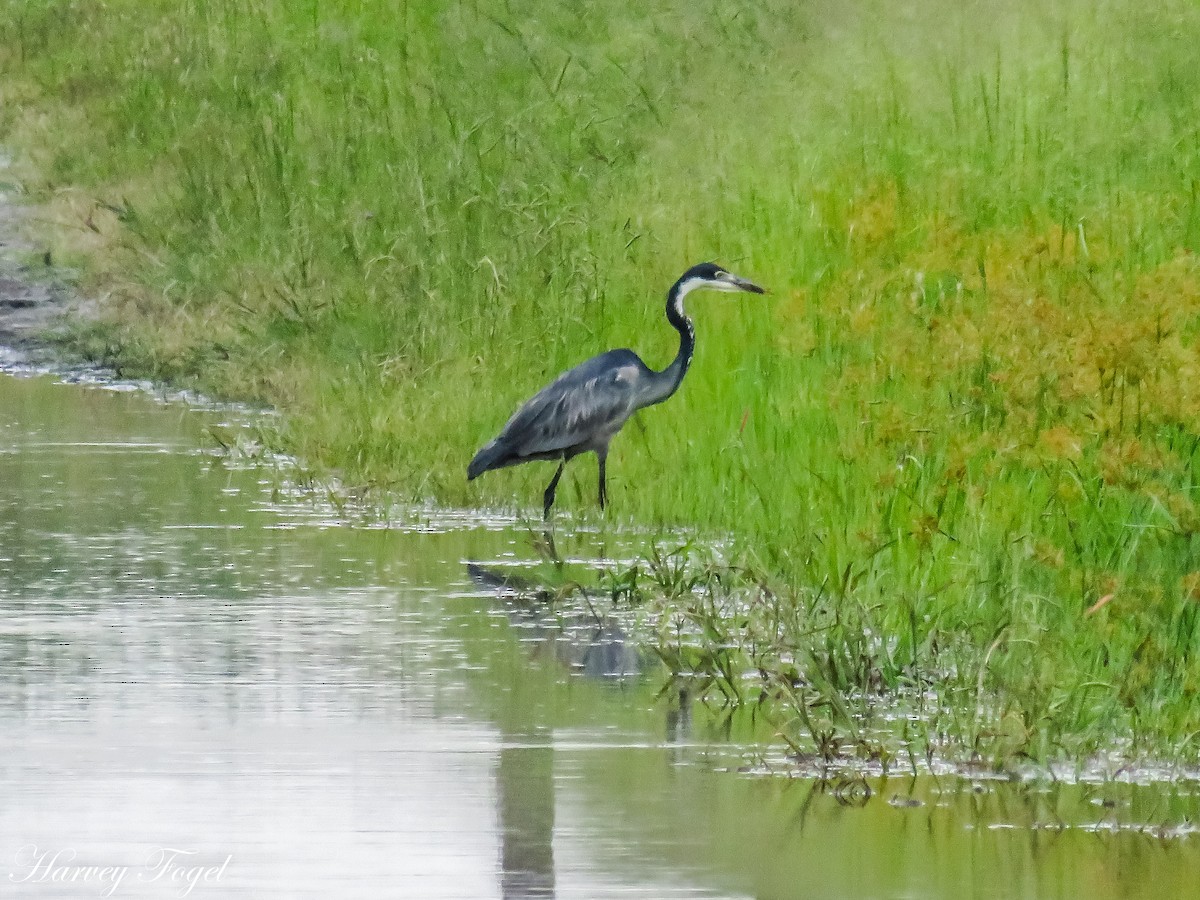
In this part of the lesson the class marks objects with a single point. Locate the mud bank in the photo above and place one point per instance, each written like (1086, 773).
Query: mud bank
(34, 303)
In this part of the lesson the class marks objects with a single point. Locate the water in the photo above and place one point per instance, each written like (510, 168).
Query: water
(208, 690)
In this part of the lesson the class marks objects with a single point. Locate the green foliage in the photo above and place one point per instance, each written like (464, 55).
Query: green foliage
(967, 414)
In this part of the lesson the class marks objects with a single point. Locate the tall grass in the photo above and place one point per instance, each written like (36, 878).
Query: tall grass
(970, 407)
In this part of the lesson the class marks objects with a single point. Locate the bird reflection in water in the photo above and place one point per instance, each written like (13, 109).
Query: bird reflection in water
(579, 638)
(560, 623)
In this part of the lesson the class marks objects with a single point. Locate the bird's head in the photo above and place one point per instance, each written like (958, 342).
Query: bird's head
(710, 275)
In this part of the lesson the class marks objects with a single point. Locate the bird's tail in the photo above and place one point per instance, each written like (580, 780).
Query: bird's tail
(485, 459)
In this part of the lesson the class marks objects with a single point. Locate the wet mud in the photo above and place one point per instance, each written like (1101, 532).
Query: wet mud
(34, 301)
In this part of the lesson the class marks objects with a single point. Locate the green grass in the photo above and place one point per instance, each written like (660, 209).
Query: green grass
(968, 412)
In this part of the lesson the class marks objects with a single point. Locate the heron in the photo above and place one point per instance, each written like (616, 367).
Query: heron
(584, 407)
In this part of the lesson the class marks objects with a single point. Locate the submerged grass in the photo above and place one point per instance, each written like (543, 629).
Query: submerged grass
(962, 435)
(845, 696)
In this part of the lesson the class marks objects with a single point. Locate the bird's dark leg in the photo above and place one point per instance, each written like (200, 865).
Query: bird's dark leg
(603, 479)
(548, 497)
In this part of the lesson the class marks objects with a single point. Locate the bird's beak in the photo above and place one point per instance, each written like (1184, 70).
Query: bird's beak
(743, 285)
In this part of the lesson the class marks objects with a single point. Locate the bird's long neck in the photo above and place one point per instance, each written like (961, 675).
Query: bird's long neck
(666, 382)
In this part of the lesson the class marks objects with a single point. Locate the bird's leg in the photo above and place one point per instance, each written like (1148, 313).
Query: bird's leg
(603, 479)
(548, 497)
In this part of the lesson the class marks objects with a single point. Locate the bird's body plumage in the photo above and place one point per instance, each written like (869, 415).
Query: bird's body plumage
(579, 411)
(585, 406)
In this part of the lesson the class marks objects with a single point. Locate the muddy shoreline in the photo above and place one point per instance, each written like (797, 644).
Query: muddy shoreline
(34, 304)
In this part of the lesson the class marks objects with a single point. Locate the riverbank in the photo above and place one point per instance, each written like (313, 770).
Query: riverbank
(957, 443)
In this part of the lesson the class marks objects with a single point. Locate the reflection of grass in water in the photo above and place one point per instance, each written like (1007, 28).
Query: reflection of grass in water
(968, 413)
(1165, 812)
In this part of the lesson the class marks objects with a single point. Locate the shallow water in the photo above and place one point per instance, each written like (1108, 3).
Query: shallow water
(207, 689)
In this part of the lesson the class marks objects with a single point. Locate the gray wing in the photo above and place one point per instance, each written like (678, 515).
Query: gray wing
(581, 409)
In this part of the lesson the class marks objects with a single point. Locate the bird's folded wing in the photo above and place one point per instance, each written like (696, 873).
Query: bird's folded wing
(572, 413)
